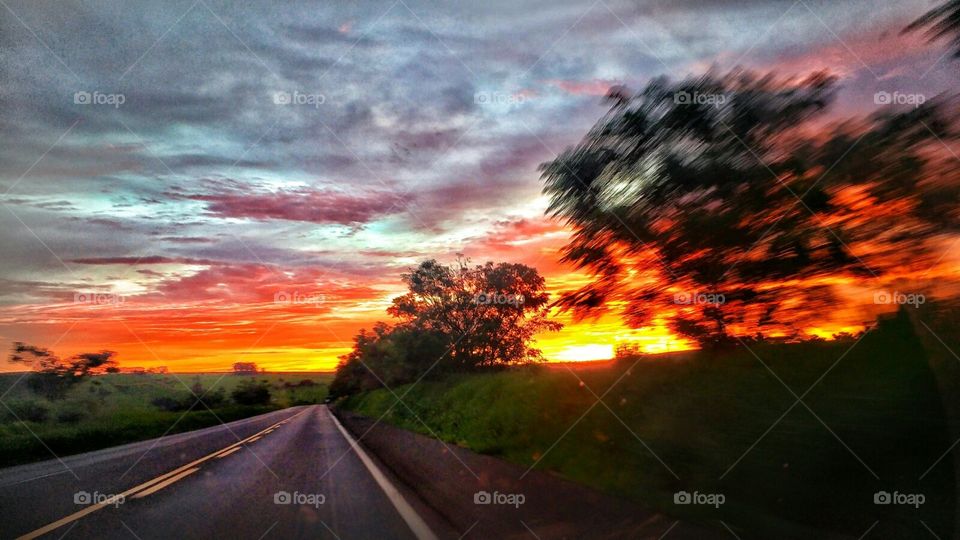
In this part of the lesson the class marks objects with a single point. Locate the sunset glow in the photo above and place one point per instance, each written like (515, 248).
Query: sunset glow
(243, 228)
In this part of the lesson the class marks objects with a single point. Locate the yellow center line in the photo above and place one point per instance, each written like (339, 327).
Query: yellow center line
(222, 455)
(157, 487)
(94, 507)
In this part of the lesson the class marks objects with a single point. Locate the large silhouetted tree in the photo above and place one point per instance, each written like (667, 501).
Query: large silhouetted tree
(725, 205)
(941, 22)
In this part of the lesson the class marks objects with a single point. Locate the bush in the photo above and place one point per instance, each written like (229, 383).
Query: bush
(251, 393)
(69, 417)
(48, 385)
(29, 411)
(390, 356)
(166, 403)
(216, 398)
(196, 400)
(211, 399)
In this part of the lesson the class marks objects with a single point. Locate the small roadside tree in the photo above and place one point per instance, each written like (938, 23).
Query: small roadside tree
(453, 318)
(51, 376)
(244, 368)
(488, 313)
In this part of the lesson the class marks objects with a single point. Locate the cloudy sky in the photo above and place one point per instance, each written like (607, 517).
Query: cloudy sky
(199, 182)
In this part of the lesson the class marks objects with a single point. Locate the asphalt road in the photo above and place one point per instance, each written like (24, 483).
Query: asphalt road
(286, 474)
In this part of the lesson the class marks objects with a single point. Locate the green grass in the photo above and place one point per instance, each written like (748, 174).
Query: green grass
(701, 414)
(114, 409)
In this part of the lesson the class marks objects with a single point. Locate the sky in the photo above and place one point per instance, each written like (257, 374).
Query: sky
(196, 183)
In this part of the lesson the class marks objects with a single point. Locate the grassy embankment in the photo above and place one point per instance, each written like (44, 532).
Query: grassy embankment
(702, 414)
(114, 409)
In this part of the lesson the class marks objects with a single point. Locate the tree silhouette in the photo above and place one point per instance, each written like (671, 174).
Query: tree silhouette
(939, 22)
(722, 204)
(453, 318)
(51, 376)
(489, 312)
(245, 368)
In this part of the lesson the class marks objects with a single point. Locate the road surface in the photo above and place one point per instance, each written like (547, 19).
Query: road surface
(286, 474)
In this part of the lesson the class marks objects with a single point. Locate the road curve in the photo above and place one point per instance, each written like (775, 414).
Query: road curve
(286, 474)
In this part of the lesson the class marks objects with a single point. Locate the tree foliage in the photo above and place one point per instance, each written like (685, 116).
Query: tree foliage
(709, 203)
(453, 318)
(52, 376)
(245, 368)
(251, 392)
(488, 313)
(198, 398)
(941, 22)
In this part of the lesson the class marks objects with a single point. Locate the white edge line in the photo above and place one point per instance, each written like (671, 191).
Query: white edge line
(414, 521)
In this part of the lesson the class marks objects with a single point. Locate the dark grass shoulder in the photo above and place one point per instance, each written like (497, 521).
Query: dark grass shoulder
(21, 443)
(114, 409)
(871, 419)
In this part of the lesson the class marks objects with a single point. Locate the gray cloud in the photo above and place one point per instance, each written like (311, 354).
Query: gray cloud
(201, 162)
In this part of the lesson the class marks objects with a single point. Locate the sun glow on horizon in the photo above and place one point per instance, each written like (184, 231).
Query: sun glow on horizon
(584, 353)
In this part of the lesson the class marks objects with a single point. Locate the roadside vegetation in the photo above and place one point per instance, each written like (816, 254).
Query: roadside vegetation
(742, 212)
(103, 410)
(702, 412)
(453, 319)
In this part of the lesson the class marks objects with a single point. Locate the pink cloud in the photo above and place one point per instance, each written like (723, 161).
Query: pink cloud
(304, 204)
(595, 87)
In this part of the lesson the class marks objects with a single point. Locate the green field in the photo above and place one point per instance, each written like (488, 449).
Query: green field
(702, 413)
(107, 410)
